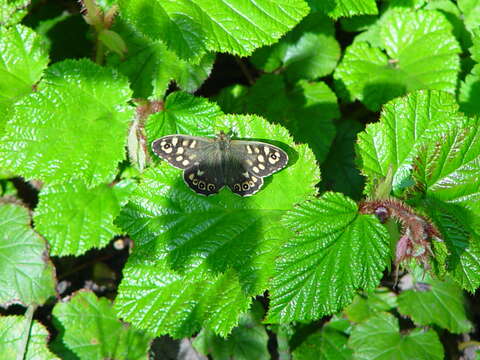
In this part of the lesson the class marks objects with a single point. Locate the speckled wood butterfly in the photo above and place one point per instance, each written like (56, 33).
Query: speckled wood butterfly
(209, 164)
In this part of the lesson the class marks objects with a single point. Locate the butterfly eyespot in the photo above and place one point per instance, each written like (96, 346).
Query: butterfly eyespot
(195, 181)
(236, 187)
(211, 187)
(167, 146)
(273, 156)
(251, 183)
(245, 186)
(201, 185)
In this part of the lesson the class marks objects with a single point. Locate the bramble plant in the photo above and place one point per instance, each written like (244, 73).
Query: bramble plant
(365, 246)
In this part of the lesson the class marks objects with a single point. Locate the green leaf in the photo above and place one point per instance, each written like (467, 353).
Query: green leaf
(471, 13)
(183, 113)
(462, 240)
(418, 52)
(365, 306)
(92, 331)
(197, 260)
(334, 252)
(74, 126)
(405, 124)
(27, 275)
(339, 171)
(340, 8)
(379, 338)
(75, 219)
(328, 343)
(247, 341)
(306, 111)
(442, 304)
(12, 332)
(192, 28)
(151, 67)
(448, 167)
(12, 11)
(469, 94)
(23, 57)
(307, 52)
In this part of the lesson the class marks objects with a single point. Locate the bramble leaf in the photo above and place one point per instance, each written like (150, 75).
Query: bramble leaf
(340, 8)
(75, 219)
(306, 110)
(192, 28)
(23, 57)
(379, 338)
(448, 167)
(328, 343)
(307, 52)
(405, 124)
(27, 275)
(247, 341)
(12, 332)
(183, 114)
(74, 126)
(12, 11)
(200, 259)
(334, 252)
(365, 306)
(92, 331)
(151, 67)
(441, 304)
(418, 52)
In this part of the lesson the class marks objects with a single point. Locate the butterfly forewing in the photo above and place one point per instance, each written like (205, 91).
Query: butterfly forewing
(261, 159)
(181, 151)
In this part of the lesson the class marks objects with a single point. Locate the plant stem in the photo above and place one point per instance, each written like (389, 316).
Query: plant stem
(22, 350)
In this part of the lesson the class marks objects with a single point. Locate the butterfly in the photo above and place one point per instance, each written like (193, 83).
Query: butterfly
(209, 164)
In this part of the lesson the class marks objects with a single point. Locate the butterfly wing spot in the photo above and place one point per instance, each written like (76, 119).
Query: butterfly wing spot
(193, 156)
(179, 158)
(200, 172)
(180, 150)
(274, 157)
(211, 187)
(191, 176)
(192, 145)
(201, 185)
(249, 149)
(254, 179)
(256, 169)
(257, 150)
(174, 141)
(246, 174)
(261, 158)
(266, 150)
(245, 186)
(237, 187)
(185, 142)
(166, 147)
(195, 181)
(261, 166)
(185, 162)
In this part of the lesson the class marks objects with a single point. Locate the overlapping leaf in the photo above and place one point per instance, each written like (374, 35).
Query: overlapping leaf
(247, 341)
(365, 306)
(201, 258)
(75, 219)
(307, 52)
(441, 304)
(340, 8)
(448, 167)
(404, 125)
(334, 252)
(379, 338)
(418, 52)
(26, 274)
(92, 331)
(74, 126)
(192, 28)
(306, 110)
(12, 333)
(23, 58)
(150, 66)
(328, 343)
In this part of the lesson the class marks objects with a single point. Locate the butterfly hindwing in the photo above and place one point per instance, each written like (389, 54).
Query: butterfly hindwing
(181, 151)
(244, 183)
(259, 158)
(201, 181)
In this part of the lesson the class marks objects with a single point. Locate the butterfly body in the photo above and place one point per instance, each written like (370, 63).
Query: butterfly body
(209, 164)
